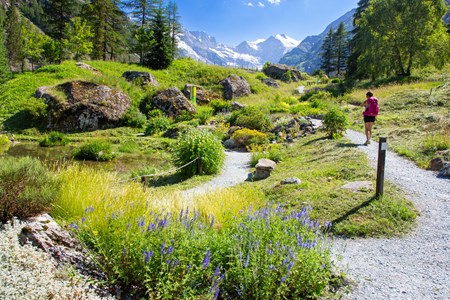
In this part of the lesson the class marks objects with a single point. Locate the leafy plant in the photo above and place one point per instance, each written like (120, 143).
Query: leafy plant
(26, 188)
(195, 143)
(335, 122)
(204, 113)
(220, 105)
(271, 151)
(134, 118)
(251, 117)
(53, 139)
(4, 140)
(95, 150)
(246, 137)
(157, 125)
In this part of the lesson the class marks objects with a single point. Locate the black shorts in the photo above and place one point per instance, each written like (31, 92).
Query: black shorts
(369, 119)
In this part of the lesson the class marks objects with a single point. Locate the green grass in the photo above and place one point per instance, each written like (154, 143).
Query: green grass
(324, 166)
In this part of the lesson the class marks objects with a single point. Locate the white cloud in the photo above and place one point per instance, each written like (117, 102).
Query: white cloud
(274, 2)
(261, 4)
(250, 4)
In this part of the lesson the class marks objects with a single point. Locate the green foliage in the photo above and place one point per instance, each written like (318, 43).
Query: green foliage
(335, 80)
(26, 188)
(129, 146)
(204, 113)
(157, 125)
(437, 142)
(264, 254)
(335, 122)
(95, 150)
(53, 139)
(134, 118)
(246, 137)
(195, 143)
(13, 32)
(270, 151)
(4, 140)
(77, 41)
(4, 64)
(251, 117)
(220, 105)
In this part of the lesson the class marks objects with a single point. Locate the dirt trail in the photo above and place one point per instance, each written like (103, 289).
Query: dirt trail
(413, 267)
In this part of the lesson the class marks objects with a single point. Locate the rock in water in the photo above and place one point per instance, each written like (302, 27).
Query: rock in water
(87, 107)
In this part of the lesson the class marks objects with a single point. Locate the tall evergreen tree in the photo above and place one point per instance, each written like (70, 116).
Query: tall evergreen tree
(328, 50)
(341, 50)
(59, 13)
(108, 23)
(4, 65)
(159, 55)
(174, 25)
(141, 11)
(13, 34)
(359, 37)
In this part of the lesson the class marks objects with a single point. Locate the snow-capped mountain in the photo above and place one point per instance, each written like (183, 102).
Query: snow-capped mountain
(200, 46)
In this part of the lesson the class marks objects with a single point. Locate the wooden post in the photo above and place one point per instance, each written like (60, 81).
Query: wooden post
(382, 148)
(199, 166)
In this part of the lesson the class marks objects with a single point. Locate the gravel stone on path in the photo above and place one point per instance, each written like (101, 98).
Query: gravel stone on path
(416, 266)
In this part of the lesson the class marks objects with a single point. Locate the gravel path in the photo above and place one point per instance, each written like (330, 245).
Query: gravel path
(416, 266)
(235, 171)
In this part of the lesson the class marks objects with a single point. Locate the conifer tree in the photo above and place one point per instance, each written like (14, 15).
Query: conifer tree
(33, 41)
(79, 36)
(59, 13)
(174, 25)
(340, 49)
(328, 50)
(4, 66)
(159, 55)
(13, 35)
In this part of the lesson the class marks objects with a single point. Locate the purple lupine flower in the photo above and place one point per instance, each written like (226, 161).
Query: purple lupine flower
(247, 261)
(82, 220)
(162, 248)
(128, 226)
(147, 255)
(169, 250)
(212, 220)
(289, 267)
(92, 209)
(270, 251)
(206, 259)
(86, 210)
(188, 268)
(272, 268)
(181, 214)
(217, 271)
(216, 294)
(283, 279)
(124, 251)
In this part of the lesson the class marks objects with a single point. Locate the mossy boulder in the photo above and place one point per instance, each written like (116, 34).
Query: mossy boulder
(83, 106)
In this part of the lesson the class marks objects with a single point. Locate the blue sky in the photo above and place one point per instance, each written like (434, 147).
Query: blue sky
(234, 21)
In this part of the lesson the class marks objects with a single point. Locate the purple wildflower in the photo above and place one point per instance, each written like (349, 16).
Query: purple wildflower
(272, 268)
(212, 220)
(188, 268)
(217, 271)
(124, 251)
(128, 226)
(247, 261)
(181, 214)
(216, 294)
(270, 251)
(82, 220)
(207, 259)
(162, 248)
(147, 255)
(169, 250)
(283, 279)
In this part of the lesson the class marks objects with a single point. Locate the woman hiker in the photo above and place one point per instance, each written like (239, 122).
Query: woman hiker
(370, 112)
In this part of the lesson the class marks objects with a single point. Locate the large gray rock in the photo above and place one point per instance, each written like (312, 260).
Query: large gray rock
(87, 106)
(436, 164)
(43, 232)
(235, 86)
(173, 102)
(270, 82)
(143, 78)
(263, 168)
(283, 72)
(445, 171)
(85, 66)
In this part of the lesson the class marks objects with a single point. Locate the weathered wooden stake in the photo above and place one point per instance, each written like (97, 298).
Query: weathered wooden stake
(199, 166)
(382, 148)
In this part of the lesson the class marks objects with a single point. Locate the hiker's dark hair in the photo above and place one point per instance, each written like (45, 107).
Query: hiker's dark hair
(369, 94)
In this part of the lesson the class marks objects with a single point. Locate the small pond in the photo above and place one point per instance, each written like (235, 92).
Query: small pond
(124, 164)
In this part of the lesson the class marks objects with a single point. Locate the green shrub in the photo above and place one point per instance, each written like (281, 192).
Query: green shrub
(53, 139)
(134, 118)
(184, 116)
(157, 125)
(4, 140)
(204, 113)
(26, 188)
(251, 117)
(437, 142)
(129, 146)
(220, 106)
(95, 150)
(335, 123)
(155, 113)
(246, 137)
(271, 151)
(194, 143)
(335, 80)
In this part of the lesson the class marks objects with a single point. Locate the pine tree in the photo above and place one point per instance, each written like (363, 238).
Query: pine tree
(359, 37)
(159, 55)
(328, 50)
(4, 66)
(59, 13)
(141, 11)
(340, 49)
(13, 34)
(32, 43)
(174, 25)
